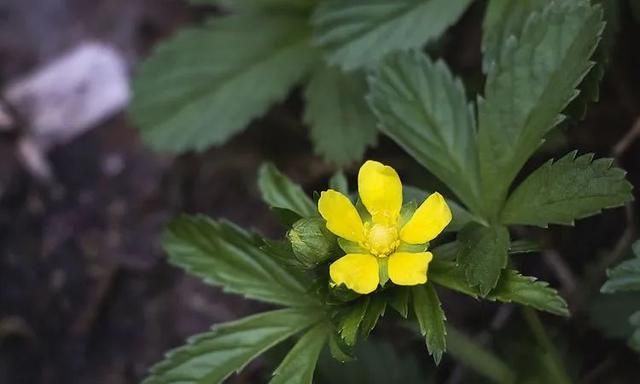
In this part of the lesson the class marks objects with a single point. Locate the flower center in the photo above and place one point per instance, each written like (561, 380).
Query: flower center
(381, 240)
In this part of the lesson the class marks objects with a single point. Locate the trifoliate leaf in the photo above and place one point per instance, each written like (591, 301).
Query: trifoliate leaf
(568, 189)
(212, 356)
(281, 192)
(208, 83)
(512, 287)
(461, 216)
(357, 33)
(624, 277)
(525, 290)
(483, 255)
(430, 315)
(342, 126)
(300, 363)
(224, 255)
(528, 87)
(421, 106)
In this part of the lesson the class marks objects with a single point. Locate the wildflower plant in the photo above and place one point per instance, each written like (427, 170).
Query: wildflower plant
(350, 256)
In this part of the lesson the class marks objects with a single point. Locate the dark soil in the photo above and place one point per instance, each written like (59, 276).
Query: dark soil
(86, 295)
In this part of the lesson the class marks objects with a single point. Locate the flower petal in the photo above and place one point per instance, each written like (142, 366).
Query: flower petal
(341, 216)
(359, 272)
(380, 190)
(409, 268)
(428, 221)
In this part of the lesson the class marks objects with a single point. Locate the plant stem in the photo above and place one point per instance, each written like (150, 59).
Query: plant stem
(552, 357)
(477, 358)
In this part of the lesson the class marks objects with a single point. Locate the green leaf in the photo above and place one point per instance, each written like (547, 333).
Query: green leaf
(342, 126)
(399, 300)
(483, 255)
(426, 306)
(461, 216)
(350, 323)
(624, 277)
(512, 287)
(422, 107)
(503, 19)
(339, 183)
(300, 363)
(357, 33)
(279, 191)
(224, 255)
(212, 356)
(568, 189)
(528, 87)
(375, 310)
(525, 290)
(634, 341)
(339, 350)
(207, 84)
(524, 246)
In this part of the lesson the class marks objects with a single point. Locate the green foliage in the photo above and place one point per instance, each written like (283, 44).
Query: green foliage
(339, 183)
(222, 254)
(278, 191)
(426, 306)
(424, 109)
(377, 363)
(483, 255)
(350, 323)
(626, 278)
(342, 127)
(300, 363)
(568, 189)
(212, 356)
(199, 88)
(357, 33)
(533, 80)
(511, 287)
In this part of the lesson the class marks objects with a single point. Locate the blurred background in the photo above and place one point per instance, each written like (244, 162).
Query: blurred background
(85, 293)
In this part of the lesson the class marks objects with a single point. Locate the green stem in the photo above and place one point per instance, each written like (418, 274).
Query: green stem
(552, 357)
(477, 358)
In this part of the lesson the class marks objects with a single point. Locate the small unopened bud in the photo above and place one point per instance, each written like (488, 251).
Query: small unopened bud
(312, 242)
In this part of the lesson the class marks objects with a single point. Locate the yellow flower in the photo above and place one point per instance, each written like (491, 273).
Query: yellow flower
(382, 237)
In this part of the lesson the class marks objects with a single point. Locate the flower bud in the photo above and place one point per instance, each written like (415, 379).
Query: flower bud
(312, 242)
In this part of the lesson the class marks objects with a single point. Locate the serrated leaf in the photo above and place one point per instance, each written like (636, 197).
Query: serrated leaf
(431, 318)
(483, 255)
(224, 255)
(339, 350)
(422, 107)
(512, 287)
(300, 363)
(623, 277)
(528, 87)
(341, 124)
(208, 83)
(358, 33)
(503, 19)
(375, 310)
(279, 191)
(350, 323)
(525, 290)
(461, 216)
(399, 300)
(212, 356)
(568, 189)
